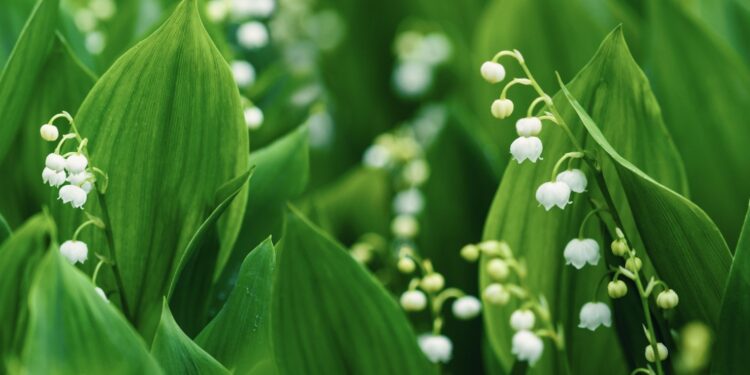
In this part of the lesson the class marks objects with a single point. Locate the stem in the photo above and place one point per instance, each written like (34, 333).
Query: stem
(533, 104)
(649, 324)
(568, 155)
(80, 228)
(586, 218)
(96, 271)
(515, 81)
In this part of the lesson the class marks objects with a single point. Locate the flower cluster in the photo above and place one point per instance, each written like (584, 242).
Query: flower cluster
(507, 274)
(419, 54)
(556, 192)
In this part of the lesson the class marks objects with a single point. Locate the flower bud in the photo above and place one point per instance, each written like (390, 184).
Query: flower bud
(437, 348)
(574, 178)
(661, 348)
(53, 178)
(634, 264)
(76, 163)
(243, 73)
(74, 195)
(619, 247)
(49, 132)
(470, 252)
(413, 300)
(524, 148)
(55, 162)
(667, 299)
(578, 252)
(501, 108)
(432, 282)
(492, 72)
(406, 265)
(527, 346)
(496, 294)
(495, 248)
(252, 35)
(74, 251)
(466, 307)
(361, 252)
(528, 126)
(253, 117)
(522, 320)
(498, 269)
(617, 289)
(551, 194)
(405, 226)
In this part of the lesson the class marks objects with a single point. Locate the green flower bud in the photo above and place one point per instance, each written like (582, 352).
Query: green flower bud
(498, 269)
(470, 252)
(667, 299)
(619, 247)
(433, 282)
(406, 265)
(617, 289)
(496, 294)
(661, 348)
(634, 264)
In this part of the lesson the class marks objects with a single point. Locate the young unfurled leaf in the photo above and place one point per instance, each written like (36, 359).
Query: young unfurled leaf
(240, 334)
(679, 237)
(165, 123)
(177, 353)
(329, 316)
(73, 330)
(19, 256)
(618, 92)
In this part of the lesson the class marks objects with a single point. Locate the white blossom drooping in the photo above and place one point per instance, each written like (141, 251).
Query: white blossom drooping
(466, 307)
(501, 108)
(55, 162)
(528, 126)
(492, 72)
(74, 251)
(252, 35)
(527, 346)
(74, 195)
(413, 300)
(578, 252)
(437, 348)
(522, 320)
(574, 178)
(76, 163)
(551, 194)
(526, 148)
(595, 314)
(49, 132)
(52, 177)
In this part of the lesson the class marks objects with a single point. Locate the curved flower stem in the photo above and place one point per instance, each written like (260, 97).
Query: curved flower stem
(568, 155)
(533, 104)
(515, 81)
(587, 217)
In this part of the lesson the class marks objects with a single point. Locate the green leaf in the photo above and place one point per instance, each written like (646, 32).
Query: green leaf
(12, 19)
(23, 66)
(18, 258)
(64, 83)
(73, 330)
(729, 356)
(703, 106)
(282, 171)
(177, 354)
(678, 236)
(330, 316)
(5, 230)
(240, 334)
(616, 90)
(165, 122)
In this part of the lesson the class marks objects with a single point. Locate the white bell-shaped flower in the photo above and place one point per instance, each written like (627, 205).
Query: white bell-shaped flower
(253, 117)
(52, 177)
(501, 108)
(594, 314)
(492, 72)
(101, 293)
(413, 300)
(528, 126)
(551, 194)
(74, 251)
(79, 179)
(527, 346)
(522, 320)
(574, 178)
(243, 73)
(466, 307)
(55, 162)
(437, 348)
(49, 132)
(578, 252)
(252, 35)
(74, 195)
(524, 148)
(76, 163)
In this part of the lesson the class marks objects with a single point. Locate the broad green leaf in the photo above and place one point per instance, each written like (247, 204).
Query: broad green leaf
(64, 83)
(240, 334)
(618, 92)
(5, 230)
(177, 354)
(330, 316)
(678, 236)
(729, 355)
(704, 88)
(12, 19)
(189, 294)
(165, 122)
(18, 257)
(73, 330)
(282, 171)
(22, 69)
